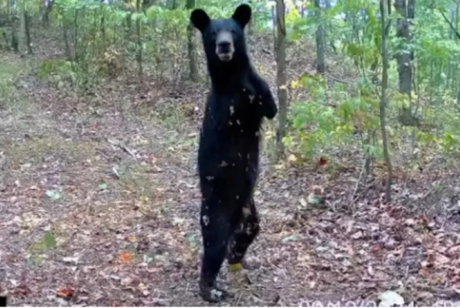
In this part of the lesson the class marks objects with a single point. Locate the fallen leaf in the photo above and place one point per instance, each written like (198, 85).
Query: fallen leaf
(131, 238)
(178, 221)
(303, 202)
(313, 199)
(21, 290)
(53, 194)
(318, 190)
(423, 272)
(357, 235)
(126, 256)
(147, 259)
(424, 220)
(390, 299)
(289, 238)
(322, 161)
(64, 292)
(410, 222)
(70, 260)
(370, 270)
(442, 259)
(49, 240)
(191, 241)
(153, 159)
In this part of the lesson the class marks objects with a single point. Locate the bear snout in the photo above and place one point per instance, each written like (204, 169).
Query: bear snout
(224, 46)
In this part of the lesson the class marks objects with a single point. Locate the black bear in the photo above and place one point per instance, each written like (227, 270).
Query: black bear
(228, 154)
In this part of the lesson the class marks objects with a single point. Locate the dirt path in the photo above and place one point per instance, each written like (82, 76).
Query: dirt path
(101, 205)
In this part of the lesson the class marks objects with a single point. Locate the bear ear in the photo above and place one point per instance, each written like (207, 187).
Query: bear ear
(200, 19)
(242, 14)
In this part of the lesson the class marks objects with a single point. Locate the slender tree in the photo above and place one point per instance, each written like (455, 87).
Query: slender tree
(320, 57)
(281, 75)
(193, 70)
(383, 98)
(406, 12)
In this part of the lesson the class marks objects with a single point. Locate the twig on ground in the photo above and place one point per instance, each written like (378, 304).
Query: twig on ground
(123, 147)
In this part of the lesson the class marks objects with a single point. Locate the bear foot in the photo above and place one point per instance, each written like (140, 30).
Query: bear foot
(213, 294)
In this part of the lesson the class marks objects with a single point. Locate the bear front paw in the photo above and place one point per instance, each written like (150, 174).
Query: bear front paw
(271, 109)
(213, 294)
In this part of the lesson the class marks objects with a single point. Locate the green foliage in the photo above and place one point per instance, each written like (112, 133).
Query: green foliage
(49, 240)
(102, 40)
(324, 123)
(8, 76)
(62, 73)
(336, 116)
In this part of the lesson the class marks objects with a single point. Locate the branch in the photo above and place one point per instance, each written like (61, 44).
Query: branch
(450, 24)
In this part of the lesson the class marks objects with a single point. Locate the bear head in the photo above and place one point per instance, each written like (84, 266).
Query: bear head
(223, 39)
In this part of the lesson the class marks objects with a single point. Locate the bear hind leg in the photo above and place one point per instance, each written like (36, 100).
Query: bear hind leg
(244, 236)
(216, 226)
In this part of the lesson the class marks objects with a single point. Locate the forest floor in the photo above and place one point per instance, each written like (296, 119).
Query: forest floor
(99, 206)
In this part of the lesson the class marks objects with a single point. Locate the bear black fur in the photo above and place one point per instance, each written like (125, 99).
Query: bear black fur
(228, 155)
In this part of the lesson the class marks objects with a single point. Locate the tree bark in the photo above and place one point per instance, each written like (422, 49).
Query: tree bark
(273, 13)
(383, 100)
(281, 76)
(14, 33)
(46, 13)
(27, 32)
(320, 57)
(406, 10)
(193, 69)
(139, 39)
(456, 7)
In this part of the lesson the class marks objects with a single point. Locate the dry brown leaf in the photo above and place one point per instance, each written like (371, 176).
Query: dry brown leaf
(130, 238)
(376, 249)
(423, 272)
(126, 256)
(64, 292)
(322, 161)
(442, 259)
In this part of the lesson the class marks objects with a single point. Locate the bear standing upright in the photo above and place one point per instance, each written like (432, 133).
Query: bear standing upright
(228, 155)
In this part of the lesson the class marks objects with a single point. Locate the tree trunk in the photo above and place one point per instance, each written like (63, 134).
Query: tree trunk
(193, 69)
(27, 32)
(449, 69)
(14, 34)
(320, 57)
(76, 52)
(139, 39)
(273, 13)
(410, 21)
(383, 100)
(103, 30)
(46, 13)
(5, 37)
(404, 58)
(456, 38)
(281, 76)
(458, 93)
(24, 30)
(457, 4)
(68, 52)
